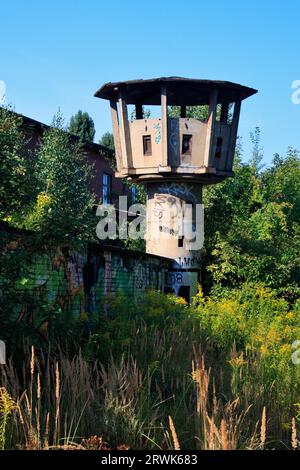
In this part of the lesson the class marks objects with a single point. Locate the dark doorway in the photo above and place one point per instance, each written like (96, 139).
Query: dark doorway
(184, 292)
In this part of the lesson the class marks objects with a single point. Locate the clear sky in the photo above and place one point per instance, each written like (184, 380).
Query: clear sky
(58, 53)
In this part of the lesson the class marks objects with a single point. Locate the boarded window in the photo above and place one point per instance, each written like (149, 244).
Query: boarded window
(147, 145)
(186, 144)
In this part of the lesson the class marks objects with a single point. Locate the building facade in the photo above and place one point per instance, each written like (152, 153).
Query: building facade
(104, 185)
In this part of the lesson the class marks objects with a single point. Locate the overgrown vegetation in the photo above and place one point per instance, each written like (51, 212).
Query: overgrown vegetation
(222, 370)
(253, 225)
(46, 191)
(154, 372)
(64, 206)
(15, 166)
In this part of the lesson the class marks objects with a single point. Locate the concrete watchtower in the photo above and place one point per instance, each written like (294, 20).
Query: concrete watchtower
(175, 157)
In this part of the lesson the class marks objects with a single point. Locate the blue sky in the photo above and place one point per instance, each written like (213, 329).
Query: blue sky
(57, 54)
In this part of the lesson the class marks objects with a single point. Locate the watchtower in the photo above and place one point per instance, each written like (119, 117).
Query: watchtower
(175, 156)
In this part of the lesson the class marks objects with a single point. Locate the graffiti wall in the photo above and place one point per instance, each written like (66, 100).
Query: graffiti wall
(72, 285)
(183, 284)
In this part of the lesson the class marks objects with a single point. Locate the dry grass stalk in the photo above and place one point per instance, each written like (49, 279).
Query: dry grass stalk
(174, 434)
(294, 435)
(224, 440)
(57, 403)
(38, 387)
(46, 436)
(32, 360)
(263, 429)
(62, 407)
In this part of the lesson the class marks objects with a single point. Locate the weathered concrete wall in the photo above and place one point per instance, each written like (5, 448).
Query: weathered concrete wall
(165, 204)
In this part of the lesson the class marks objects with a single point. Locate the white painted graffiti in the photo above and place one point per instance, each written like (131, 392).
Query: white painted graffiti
(189, 261)
(180, 190)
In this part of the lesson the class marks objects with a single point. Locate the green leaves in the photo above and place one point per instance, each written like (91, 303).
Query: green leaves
(253, 224)
(63, 211)
(15, 166)
(82, 125)
(107, 140)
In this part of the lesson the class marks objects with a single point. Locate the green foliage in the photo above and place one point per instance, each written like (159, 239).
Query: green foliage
(16, 181)
(257, 152)
(248, 335)
(63, 210)
(7, 405)
(196, 112)
(140, 364)
(82, 124)
(146, 114)
(252, 224)
(107, 140)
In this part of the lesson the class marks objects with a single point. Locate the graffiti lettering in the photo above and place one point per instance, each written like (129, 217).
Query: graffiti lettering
(189, 262)
(174, 278)
(171, 231)
(180, 190)
(157, 137)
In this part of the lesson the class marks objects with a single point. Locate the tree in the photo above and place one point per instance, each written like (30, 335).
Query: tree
(63, 211)
(252, 224)
(107, 140)
(257, 151)
(82, 124)
(145, 112)
(15, 166)
(196, 112)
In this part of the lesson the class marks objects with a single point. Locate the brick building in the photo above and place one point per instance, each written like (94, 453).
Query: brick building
(104, 184)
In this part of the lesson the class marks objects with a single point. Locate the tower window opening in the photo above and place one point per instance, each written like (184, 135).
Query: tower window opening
(186, 144)
(218, 153)
(180, 242)
(147, 145)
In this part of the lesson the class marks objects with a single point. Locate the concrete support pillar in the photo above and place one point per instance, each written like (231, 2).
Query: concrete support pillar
(172, 232)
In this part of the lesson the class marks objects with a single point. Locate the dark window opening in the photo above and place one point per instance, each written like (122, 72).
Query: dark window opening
(147, 145)
(186, 144)
(184, 292)
(180, 242)
(134, 193)
(106, 188)
(219, 147)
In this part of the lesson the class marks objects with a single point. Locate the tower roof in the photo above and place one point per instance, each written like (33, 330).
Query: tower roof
(180, 91)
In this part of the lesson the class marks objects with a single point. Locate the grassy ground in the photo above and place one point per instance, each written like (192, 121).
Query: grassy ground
(158, 374)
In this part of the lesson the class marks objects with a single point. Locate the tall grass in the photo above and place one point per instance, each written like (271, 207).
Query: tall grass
(199, 379)
(73, 403)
